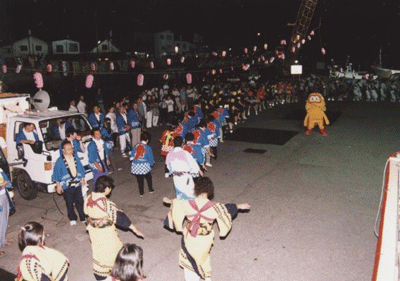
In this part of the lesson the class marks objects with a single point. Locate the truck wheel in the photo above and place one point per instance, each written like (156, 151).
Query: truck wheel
(25, 186)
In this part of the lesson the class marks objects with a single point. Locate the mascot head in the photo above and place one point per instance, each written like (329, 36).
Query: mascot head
(315, 100)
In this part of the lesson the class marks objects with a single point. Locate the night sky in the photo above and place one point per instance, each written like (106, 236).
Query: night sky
(358, 28)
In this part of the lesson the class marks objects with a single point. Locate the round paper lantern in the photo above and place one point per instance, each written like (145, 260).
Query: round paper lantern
(140, 80)
(254, 48)
(165, 76)
(189, 78)
(49, 67)
(151, 65)
(303, 41)
(323, 51)
(18, 69)
(4, 68)
(93, 66)
(213, 72)
(133, 64)
(298, 45)
(169, 61)
(312, 32)
(265, 46)
(176, 49)
(245, 50)
(37, 76)
(182, 59)
(223, 53)
(89, 81)
(309, 37)
(293, 49)
(111, 66)
(271, 59)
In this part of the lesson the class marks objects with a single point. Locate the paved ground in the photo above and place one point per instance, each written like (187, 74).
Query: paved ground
(314, 202)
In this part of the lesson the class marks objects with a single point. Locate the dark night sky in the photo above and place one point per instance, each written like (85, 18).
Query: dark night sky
(349, 27)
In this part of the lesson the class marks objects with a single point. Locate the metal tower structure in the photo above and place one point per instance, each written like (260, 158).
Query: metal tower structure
(303, 21)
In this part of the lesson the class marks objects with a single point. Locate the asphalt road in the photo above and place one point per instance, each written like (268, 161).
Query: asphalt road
(314, 202)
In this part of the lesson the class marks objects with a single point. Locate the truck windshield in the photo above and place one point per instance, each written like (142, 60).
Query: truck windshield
(53, 130)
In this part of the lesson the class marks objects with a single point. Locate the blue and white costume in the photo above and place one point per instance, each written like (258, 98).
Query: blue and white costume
(23, 135)
(75, 145)
(98, 153)
(96, 121)
(60, 132)
(142, 159)
(124, 138)
(4, 207)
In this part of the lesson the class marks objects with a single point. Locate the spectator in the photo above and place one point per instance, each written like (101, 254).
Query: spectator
(177, 97)
(135, 124)
(155, 111)
(142, 113)
(163, 106)
(123, 123)
(5, 184)
(72, 106)
(98, 156)
(183, 99)
(113, 124)
(81, 106)
(170, 109)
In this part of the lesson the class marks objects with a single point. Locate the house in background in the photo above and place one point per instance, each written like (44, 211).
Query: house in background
(65, 47)
(30, 46)
(164, 44)
(6, 52)
(105, 47)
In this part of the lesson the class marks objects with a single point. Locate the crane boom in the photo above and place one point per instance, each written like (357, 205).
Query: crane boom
(303, 21)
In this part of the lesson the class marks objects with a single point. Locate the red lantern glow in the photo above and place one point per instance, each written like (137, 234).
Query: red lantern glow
(133, 64)
(245, 50)
(4, 68)
(312, 32)
(169, 61)
(223, 53)
(182, 59)
(165, 76)
(213, 72)
(254, 48)
(271, 59)
(323, 51)
(214, 54)
(293, 49)
(265, 46)
(151, 65)
(49, 67)
(111, 66)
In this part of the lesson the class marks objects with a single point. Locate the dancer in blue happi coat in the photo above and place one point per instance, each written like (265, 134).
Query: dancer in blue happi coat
(124, 126)
(69, 175)
(142, 162)
(96, 118)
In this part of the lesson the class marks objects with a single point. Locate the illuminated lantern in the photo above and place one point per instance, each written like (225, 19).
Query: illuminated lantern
(223, 53)
(189, 78)
(245, 67)
(37, 76)
(254, 48)
(293, 49)
(259, 60)
(312, 32)
(298, 45)
(165, 76)
(245, 50)
(263, 58)
(214, 54)
(169, 61)
(297, 37)
(232, 68)
(323, 51)
(276, 52)
(49, 67)
(182, 59)
(133, 63)
(265, 46)
(93, 66)
(283, 56)
(111, 66)
(220, 70)
(303, 41)
(213, 72)
(18, 69)
(151, 65)
(283, 42)
(309, 37)
(4, 68)
(140, 80)
(341, 69)
(89, 81)
(271, 59)
(366, 76)
(266, 62)
(176, 49)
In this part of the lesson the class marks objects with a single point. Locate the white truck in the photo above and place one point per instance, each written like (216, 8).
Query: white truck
(32, 165)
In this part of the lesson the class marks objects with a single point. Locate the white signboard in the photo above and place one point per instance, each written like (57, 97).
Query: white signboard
(296, 69)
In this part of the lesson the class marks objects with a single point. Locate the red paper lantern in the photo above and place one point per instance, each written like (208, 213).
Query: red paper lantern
(4, 68)
(213, 72)
(111, 66)
(214, 54)
(221, 71)
(189, 78)
(151, 65)
(165, 76)
(245, 50)
(89, 81)
(293, 49)
(37, 76)
(140, 80)
(271, 59)
(265, 46)
(182, 59)
(254, 48)
(309, 37)
(223, 53)
(323, 51)
(303, 41)
(93, 66)
(312, 32)
(169, 61)
(49, 67)
(133, 63)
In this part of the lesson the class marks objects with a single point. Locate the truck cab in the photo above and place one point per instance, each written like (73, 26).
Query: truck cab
(32, 165)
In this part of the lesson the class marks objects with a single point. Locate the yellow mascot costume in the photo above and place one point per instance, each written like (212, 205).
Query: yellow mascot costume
(315, 107)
